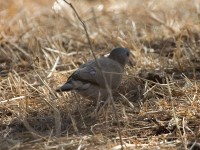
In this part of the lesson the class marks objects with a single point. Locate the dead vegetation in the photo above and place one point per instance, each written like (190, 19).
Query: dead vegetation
(157, 102)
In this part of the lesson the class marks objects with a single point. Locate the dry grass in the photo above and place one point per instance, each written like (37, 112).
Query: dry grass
(158, 103)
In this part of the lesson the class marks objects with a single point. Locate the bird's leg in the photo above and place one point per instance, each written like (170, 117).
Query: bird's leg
(100, 105)
(95, 114)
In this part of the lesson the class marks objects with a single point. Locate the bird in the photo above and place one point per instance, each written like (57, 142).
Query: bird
(92, 79)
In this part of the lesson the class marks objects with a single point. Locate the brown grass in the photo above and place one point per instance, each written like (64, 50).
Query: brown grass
(158, 102)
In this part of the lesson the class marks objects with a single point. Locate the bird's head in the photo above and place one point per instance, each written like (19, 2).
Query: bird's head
(121, 55)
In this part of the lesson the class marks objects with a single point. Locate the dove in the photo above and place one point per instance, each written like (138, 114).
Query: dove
(92, 79)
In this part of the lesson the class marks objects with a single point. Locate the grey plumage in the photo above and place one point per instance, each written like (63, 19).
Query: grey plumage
(88, 79)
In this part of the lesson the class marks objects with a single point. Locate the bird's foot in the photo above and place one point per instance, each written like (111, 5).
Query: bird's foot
(99, 109)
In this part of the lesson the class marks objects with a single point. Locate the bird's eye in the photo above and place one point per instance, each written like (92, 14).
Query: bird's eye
(127, 54)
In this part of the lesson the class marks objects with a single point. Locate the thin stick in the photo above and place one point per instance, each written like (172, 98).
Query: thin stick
(85, 28)
(98, 65)
(13, 99)
(78, 107)
(54, 67)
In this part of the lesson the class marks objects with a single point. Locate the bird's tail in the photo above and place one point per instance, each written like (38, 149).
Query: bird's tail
(65, 87)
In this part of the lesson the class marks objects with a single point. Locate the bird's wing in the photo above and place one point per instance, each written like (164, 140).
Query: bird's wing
(90, 73)
(86, 73)
(81, 79)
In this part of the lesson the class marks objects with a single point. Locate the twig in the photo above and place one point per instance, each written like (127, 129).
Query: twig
(54, 67)
(56, 111)
(74, 124)
(57, 117)
(98, 65)
(13, 99)
(85, 28)
(129, 103)
(175, 116)
(78, 107)
(59, 52)
(155, 18)
(30, 129)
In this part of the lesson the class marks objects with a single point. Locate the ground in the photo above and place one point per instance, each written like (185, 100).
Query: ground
(157, 104)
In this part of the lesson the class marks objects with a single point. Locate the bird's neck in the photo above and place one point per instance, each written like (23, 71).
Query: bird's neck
(121, 62)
